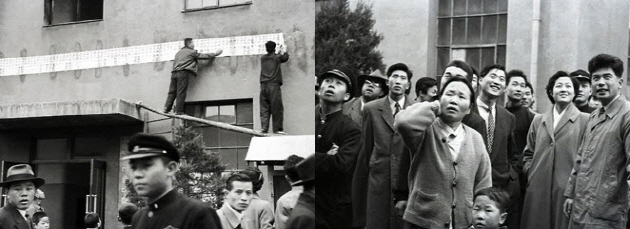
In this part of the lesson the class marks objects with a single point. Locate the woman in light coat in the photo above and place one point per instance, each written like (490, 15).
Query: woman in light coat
(552, 145)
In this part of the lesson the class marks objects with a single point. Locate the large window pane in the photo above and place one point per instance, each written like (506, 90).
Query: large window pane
(241, 154)
(244, 113)
(52, 149)
(227, 138)
(474, 6)
(212, 113)
(227, 114)
(86, 147)
(191, 4)
(502, 28)
(443, 59)
(489, 35)
(501, 55)
(445, 8)
(472, 57)
(459, 7)
(211, 136)
(229, 157)
(490, 6)
(487, 57)
(444, 31)
(459, 31)
(474, 31)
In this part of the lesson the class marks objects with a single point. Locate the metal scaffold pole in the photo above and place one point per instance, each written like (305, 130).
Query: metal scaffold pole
(207, 122)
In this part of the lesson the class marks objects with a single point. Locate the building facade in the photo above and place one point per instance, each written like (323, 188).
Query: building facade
(73, 125)
(536, 36)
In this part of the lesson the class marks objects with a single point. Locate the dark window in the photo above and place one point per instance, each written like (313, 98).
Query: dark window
(66, 11)
(231, 145)
(209, 4)
(473, 31)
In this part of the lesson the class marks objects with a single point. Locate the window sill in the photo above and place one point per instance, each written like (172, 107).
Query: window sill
(215, 7)
(73, 23)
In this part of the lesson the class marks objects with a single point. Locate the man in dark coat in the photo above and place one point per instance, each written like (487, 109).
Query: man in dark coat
(153, 161)
(336, 148)
(500, 138)
(270, 93)
(19, 186)
(515, 90)
(303, 214)
(372, 86)
(377, 164)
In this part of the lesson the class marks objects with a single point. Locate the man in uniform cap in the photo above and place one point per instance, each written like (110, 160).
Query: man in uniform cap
(19, 186)
(373, 86)
(581, 100)
(153, 162)
(303, 214)
(336, 148)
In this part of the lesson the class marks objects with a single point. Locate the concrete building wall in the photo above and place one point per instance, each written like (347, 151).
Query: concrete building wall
(130, 23)
(571, 33)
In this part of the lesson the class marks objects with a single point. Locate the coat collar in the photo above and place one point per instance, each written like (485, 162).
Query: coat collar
(16, 215)
(571, 113)
(386, 111)
(163, 201)
(230, 216)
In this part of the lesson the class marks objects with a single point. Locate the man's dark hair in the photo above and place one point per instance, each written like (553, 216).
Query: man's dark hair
(402, 67)
(290, 169)
(126, 212)
(236, 177)
(91, 220)
(552, 82)
(256, 177)
(423, 84)
(515, 73)
(270, 46)
(187, 41)
(465, 81)
(529, 85)
(500, 197)
(463, 66)
(489, 68)
(606, 61)
(37, 216)
(474, 72)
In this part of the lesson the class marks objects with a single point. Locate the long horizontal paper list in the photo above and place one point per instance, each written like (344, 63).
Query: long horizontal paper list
(232, 46)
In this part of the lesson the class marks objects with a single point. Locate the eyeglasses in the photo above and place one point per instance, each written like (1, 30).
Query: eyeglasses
(376, 84)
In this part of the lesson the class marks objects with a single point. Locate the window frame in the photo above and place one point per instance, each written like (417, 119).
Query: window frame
(48, 15)
(481, 45)
(219, 6)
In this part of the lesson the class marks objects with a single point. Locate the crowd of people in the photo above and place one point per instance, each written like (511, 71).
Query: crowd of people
(454, 157)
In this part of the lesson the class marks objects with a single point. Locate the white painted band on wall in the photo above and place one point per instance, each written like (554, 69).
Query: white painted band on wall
(232, 46)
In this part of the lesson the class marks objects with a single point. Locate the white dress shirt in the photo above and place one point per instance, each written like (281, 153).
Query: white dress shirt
(557, 116)
(392, 103)
(483, 111)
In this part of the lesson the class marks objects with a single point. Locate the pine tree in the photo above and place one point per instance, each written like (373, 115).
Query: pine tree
(346, 37)
(199, 174)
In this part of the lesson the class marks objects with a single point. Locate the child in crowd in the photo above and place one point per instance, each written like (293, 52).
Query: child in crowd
(40, 220)
(490, 208)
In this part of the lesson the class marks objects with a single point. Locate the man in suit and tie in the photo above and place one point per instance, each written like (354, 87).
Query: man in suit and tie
(500, 125)
(19, 186)
(373, 86)
(377, 165)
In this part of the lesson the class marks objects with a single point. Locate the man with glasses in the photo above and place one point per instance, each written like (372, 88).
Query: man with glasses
(373, 86)
(377, 165)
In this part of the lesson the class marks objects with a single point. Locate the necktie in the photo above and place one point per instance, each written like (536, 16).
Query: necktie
(238, 227)
(490, 129)
(397, 106)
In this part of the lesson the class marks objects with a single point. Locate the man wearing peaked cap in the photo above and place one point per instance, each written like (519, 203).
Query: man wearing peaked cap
(373, 86)
(337, 145)
(303, 214)
(583, 97)
(19, 186)
(153, 162)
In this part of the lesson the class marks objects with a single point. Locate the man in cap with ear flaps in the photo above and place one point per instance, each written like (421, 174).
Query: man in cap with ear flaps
(19, 186)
